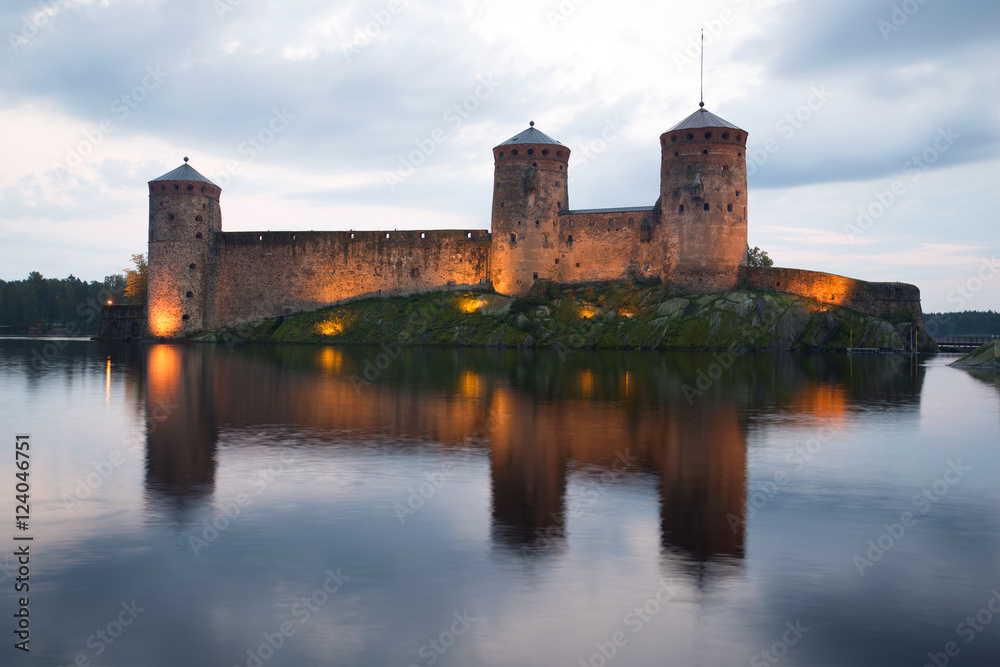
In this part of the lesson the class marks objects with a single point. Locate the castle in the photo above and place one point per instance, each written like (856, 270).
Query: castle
(694, 237)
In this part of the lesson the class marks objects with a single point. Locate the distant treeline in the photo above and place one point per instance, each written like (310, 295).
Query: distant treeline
(965, 323)
(53, 303)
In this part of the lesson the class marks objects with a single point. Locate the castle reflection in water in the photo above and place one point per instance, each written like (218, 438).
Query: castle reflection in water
(604, 418)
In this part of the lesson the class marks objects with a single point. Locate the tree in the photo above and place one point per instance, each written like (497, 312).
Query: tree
(757, 257)
(136, 280)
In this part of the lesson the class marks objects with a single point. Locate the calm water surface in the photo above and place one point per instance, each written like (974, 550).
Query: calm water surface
(327, 506)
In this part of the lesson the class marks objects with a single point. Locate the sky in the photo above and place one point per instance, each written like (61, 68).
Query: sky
(873, 127)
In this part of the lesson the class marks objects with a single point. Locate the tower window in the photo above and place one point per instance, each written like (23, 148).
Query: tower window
(533, 164)
(558, 153)
(631, 221)
(729, 208)
(737, 194)
(537, 222)
(203, 190)
(513, 238)
(725, 167)
(673, 138)
(170, 216)
(739, 138)
(518, 223)
(569, 239)
(591, 222)
(559, 205)
(545, 239)
(514, 152)
(176, 187)
(185, 316)
(690, 167)
(501, 203)
(570, 223)
(531, 151)
(198, 218)
(352, 236)
(706, 207)
(259, 238)
(423, 235)
(681, 209)
(190, 266)
(739, 153)
(469, 236)
(708, 135)
(387, 234)
(199, 236)
(189, 294)
(690, 136)
(415, 273)
(725, 135)
(557, 260)
(705, 152)
(545, 151)
(676, 154)
(611, 222)
(190, 188)
(578, 265)
(501, 153)
(534, 276)
(204, 206)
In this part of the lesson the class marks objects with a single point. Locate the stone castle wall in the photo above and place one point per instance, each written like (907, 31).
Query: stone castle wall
(267, 274)
(883, 300)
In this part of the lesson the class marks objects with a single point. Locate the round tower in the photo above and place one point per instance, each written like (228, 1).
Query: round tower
(703, 201)
(529, 191)
(184, 216)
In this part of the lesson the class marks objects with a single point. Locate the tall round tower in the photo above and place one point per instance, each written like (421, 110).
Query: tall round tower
(703, 201)
(184, 216)
(529, 191)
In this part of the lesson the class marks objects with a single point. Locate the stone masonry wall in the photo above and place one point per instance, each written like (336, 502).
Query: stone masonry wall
(267, 274)
(883, 300)
(601, 246)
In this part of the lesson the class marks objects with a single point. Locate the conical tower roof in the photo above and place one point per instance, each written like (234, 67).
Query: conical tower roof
(531, 136)
(185, 172)
(703, 118)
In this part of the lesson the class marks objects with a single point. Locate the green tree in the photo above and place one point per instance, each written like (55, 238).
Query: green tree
(136, 280)
(757, 257)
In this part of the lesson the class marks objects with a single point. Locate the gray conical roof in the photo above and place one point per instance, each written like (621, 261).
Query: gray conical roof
(702, 118)
(185, 172)
(531, 136)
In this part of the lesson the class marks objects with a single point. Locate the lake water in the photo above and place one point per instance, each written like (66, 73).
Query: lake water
(198, 505)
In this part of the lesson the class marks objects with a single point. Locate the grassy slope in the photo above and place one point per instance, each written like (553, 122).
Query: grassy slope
(982, 356)
(617, 315)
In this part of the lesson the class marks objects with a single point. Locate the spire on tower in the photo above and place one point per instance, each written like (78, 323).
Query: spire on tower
(702, 102)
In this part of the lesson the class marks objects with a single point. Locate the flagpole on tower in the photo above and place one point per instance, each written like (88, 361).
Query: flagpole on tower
(701, 103)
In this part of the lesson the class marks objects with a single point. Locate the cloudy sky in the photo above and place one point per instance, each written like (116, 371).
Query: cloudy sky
(873, 126)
